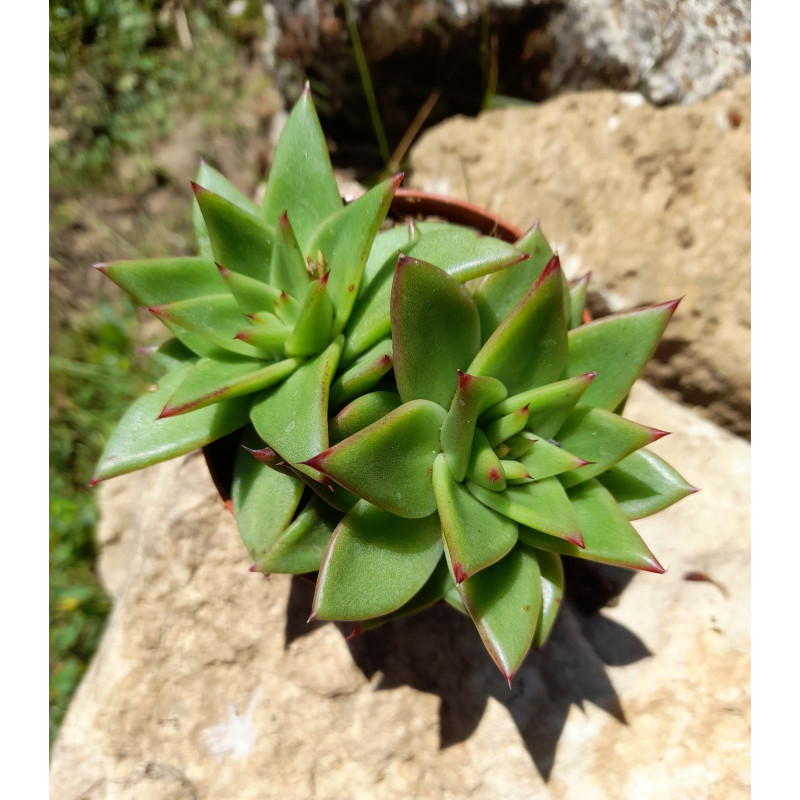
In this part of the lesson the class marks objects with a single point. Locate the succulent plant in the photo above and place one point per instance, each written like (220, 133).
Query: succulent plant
(424, 416)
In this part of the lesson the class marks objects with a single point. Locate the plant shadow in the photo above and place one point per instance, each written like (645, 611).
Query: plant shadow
(438, 651)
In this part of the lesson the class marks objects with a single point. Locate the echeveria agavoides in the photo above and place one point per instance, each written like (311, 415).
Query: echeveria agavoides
(423, 414)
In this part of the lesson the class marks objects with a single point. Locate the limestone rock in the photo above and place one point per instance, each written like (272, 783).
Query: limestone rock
(655, 202)
(209, 685)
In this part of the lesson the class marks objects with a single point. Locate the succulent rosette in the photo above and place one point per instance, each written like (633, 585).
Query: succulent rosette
(423, 416)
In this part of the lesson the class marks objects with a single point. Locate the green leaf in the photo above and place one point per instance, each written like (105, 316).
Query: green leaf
(460, 252)
(252, 295)
(504, 601)
(642, 484)
(216, 318)
(617, 348)
(155, 281)
(171, 354)
(473, 395)
(548, 406)
(267, 335)
(344, 242)
(500, 292)
(529, 347)
(363, 375)
(552, 578)
(506, 427)
(292, 418)
(485, 467)
(211, 381)
(463, 253)
(577, 300)
(602, 438)
(141, 439)
(214, 181)
(435, 331)
(375, 563)
(543, 505)
(301, 179)
(240, 241)
(264, 501)
(390, 462)
(544, 459)
(608, 537)
(312, 331)
(301, 546)
(288, 272)
(475, 535)
(363, 411)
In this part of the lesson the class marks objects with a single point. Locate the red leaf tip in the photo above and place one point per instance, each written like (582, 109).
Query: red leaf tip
(197, 189)
(312, 618)
(577, 540)
(229, 506)
(222, 270)
(307, 89)
(352, 635)
(157, 310)
(494, 474)
(459, 573)
(93, 482)
(323, 281)
(100, 266)
(656, 434)
(254, 568)
(464, 380)
(396, 180)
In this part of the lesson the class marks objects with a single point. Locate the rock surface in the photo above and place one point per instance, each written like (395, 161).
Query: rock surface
(209, 684)
(655, 202)
(675, 52)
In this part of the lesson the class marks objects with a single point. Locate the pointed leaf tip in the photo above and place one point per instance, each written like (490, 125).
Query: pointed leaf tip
(197, 188)
(157, 310)
(312, 618)
(352, 635)
(254, 568)
(222, 270)
(100, 266)
(307, 89)
(93, 482)
(657, 434)
(577, 540)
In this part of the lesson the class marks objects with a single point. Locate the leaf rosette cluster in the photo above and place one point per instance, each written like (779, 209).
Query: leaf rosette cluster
(423, 413)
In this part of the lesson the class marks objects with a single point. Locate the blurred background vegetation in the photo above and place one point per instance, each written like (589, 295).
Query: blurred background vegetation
(123, 75)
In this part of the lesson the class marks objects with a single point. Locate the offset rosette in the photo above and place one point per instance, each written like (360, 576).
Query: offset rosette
(502, 450)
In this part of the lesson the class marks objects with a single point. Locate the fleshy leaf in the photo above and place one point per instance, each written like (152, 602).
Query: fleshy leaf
(292, 418)
(390, 462)
(264, 501)
(577, 300)
(529, 347)
(301, 545)
(301, 161)
(602, 438)
(506, 427)
(471, 255)
(141, 439)
(475, 535)
(216, 182)
(504, 601)
(312, 332)
(542, 505)
(607, 534)
(288, 271)
(500, 292)
(642, 484)
(435, 331)
(375, 563)
(552, 577)
(211, 381)
(154, 281)
(267, 335)
(240, 241)
(545, 459)
(515, 472)
(253, 295)
(617, 347)
(473, 395)
(217, 318)
(344, 242)
(485, 467)
(363, 411)
(548, 406)
(363, 375)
